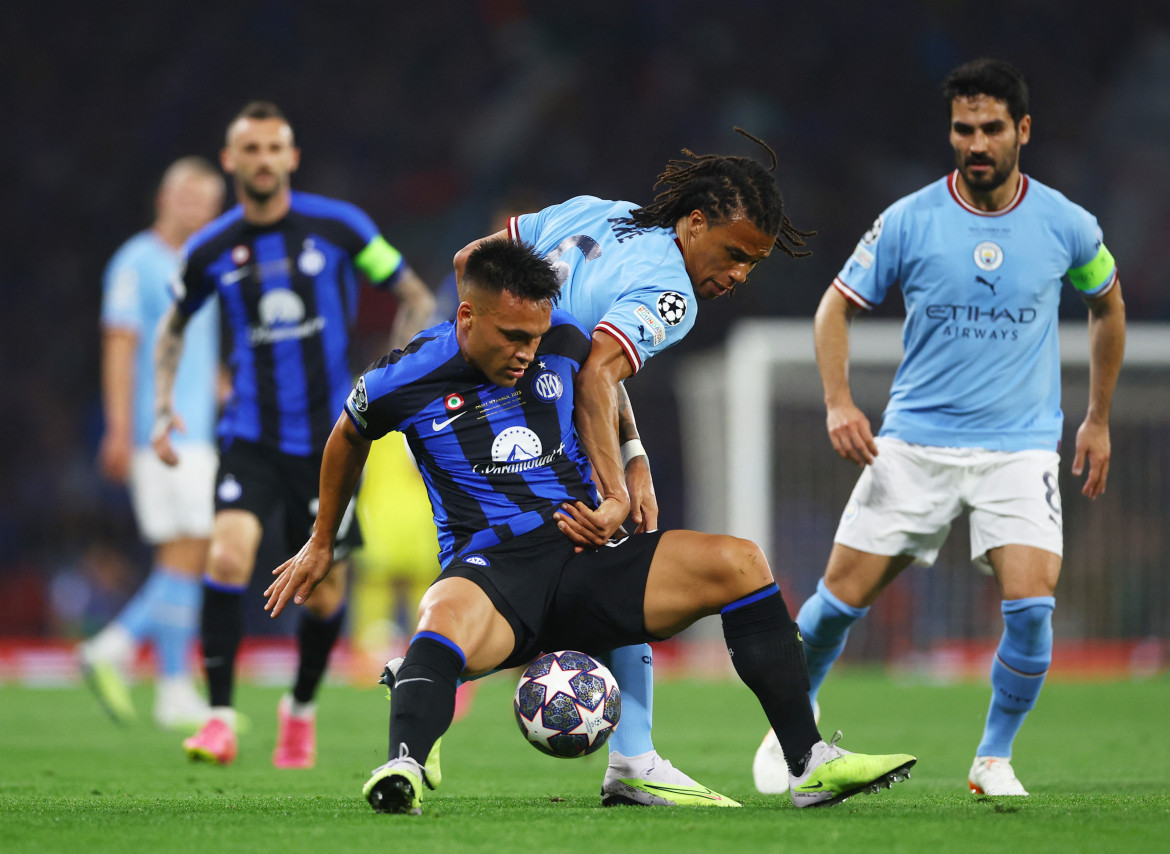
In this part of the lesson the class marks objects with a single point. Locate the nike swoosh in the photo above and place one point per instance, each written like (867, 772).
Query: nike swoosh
(817, 785)
(702, 792)
(438, 425)
(415, 679)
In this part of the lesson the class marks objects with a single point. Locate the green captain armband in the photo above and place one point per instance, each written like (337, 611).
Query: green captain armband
(379, 260)
(1094, 274)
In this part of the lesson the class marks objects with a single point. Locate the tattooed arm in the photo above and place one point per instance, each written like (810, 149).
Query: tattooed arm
(167, 349)
(643, 501)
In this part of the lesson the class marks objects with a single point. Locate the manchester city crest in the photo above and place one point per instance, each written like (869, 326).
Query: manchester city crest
(988, 256)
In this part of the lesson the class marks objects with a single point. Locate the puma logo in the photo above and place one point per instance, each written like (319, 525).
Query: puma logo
(984, 281)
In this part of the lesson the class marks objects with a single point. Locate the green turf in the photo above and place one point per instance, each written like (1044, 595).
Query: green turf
(1095, 756)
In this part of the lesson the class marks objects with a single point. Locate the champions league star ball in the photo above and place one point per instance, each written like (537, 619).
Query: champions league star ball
(567, 704)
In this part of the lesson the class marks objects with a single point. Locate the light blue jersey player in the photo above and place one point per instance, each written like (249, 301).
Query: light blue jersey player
(974, 421)
(983, 309)
(627, 282)
(633, 276)
(173, 507)
(135, 297)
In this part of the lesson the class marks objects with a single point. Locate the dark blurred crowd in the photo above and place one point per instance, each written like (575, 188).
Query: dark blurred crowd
(426, 115)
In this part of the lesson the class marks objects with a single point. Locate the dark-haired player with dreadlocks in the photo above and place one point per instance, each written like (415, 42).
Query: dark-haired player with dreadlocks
(973, 422)
(633, 276)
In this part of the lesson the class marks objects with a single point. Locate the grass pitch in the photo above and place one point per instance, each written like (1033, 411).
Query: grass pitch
(1094, 755)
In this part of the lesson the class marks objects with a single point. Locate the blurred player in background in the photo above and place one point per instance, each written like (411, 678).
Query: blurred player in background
(633, 276)
(172, 506)
(487, 404)
(974, 420)
(285, 266)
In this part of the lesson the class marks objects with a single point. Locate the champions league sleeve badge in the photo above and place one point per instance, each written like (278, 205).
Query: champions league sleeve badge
(672, 307)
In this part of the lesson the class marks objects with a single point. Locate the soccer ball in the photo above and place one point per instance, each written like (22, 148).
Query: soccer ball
(567, 704)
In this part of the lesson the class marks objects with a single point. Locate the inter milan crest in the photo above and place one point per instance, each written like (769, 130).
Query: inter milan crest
(229, 489)
(312, 260)
(672, 307)
(548, 386)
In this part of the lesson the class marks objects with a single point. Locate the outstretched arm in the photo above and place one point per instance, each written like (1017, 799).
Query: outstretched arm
(168, 347)
(849, 429)
(341, 468)
(1106, 347)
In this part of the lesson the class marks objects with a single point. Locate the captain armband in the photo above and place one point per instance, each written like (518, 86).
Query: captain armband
(379, 260)
(1095, 274)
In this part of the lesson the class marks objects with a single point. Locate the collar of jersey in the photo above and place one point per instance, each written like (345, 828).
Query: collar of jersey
(952, 181)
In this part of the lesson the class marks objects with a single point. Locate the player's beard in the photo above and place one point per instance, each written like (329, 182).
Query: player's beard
(1000, 172)
(258, 195)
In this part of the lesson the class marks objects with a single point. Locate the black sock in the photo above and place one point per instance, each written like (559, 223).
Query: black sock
(315, 639)
(422, 701)
(765, 647)
(221, 626)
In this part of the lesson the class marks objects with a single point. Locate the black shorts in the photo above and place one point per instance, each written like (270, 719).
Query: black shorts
(554, 598)
(261, 480)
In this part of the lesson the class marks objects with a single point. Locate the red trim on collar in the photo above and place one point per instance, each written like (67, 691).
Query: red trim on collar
(1021, 191)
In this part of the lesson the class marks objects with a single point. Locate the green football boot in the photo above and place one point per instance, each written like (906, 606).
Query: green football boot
(831, 774)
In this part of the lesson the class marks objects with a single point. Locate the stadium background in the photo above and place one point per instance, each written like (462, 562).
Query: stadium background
(427, 115)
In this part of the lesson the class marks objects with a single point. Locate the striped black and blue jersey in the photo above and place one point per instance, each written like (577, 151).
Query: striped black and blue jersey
(497, 462)
(288, 294)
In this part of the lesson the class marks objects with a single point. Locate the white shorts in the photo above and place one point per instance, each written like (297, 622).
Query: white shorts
(905, 502)
(174, 503)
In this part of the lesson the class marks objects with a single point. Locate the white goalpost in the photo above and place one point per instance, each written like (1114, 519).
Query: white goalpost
(758, 464)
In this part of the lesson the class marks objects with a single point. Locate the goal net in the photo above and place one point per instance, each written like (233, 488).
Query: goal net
(759, 465)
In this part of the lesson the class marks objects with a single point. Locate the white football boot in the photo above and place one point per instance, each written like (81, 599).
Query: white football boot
(993, 775)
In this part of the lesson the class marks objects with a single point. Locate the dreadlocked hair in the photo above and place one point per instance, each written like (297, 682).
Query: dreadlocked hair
(723, 186)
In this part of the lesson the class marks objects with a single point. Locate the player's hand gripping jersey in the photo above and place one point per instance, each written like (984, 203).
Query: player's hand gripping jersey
(289, 293)
(629, 282)
(981, 366)
(497, 462)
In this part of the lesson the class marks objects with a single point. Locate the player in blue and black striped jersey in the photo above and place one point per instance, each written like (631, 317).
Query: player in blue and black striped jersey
(285, 267)
(487, 405)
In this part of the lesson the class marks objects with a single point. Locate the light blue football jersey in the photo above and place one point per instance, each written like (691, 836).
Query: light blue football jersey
(629, 282)
(981, 362)
(135, 295)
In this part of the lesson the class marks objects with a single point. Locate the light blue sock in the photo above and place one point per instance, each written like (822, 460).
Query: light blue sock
(135, 616)
(824, 622)
(175, 620)
(633, 668)
(1017, 671)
